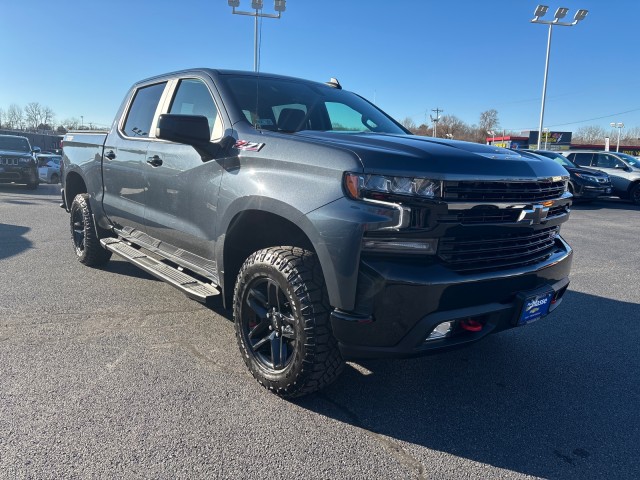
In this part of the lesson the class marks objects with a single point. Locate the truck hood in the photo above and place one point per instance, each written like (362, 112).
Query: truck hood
(412, 155)
(13, 153)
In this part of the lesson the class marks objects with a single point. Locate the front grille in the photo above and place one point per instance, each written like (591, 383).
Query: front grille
(9, 161)
(504, 191)
(496, 252)
(477, 216)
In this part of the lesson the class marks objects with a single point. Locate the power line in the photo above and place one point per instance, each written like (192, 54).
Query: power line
(589, 119)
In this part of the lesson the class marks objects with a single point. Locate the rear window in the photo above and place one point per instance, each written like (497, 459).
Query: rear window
(582, 159)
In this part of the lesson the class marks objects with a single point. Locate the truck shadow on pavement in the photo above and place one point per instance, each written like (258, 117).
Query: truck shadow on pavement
(556, 399)
(12, 240)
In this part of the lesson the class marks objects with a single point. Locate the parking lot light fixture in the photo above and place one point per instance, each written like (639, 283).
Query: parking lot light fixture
(561, 12)
(619, 126)
(257, 6)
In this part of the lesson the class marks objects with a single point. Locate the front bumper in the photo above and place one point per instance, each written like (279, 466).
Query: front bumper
(401, 303)
(18, 174)
(592, 191)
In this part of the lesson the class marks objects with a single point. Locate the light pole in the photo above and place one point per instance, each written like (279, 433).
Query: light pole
(546, 136)
(435, 120)
(278, 5)
(81, 122)
(619, 126)
(540, 12)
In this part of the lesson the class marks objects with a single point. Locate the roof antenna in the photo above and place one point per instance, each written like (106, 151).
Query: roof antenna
(334, 83)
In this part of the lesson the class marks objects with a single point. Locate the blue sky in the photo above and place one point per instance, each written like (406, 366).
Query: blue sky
(464, 56)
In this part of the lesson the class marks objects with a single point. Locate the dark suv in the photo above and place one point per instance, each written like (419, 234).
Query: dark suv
(585, 184)
(17, 164)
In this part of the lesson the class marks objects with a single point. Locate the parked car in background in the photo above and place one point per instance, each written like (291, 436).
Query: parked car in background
(17, 164)
(585, 183)
(49, 168)
(623, 169)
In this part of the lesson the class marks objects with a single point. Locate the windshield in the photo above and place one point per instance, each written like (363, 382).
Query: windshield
(556, 157)
(289, 105)
(633, 161)
(16, 144)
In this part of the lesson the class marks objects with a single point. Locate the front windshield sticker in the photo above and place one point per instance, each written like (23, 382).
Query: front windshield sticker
(248, 146)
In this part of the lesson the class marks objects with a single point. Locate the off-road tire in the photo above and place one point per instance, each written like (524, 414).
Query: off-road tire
(55, 179)
(32, 185)
(86, 242)
(295, 274)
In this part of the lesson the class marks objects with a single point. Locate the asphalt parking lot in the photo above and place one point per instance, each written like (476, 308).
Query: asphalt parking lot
(110, 373)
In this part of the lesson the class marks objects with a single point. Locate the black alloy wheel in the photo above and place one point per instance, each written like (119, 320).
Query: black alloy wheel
(268, 324)
(281, 312)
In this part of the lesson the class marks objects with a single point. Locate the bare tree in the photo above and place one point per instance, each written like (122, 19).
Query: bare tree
(591, 134)
(2, 117)
(33, 115)
(453, 126)
(409, 124)
(71, 123)
(489, 120)
(15, 116)
(48, 116)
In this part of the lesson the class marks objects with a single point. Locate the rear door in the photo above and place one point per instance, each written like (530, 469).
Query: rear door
(124, 159)
(182, 189)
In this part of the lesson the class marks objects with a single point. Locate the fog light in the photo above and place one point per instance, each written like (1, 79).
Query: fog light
(442, 330)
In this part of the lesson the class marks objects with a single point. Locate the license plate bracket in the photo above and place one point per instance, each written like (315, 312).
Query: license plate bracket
(534, 307)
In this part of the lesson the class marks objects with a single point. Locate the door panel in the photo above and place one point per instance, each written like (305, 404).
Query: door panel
(124, 159)
(182, 191)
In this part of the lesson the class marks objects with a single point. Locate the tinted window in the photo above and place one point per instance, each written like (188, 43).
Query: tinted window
(582, 159)
(142, 110)
(193, 98)
(603, 160)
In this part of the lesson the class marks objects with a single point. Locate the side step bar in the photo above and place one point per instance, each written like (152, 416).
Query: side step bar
(187, 284)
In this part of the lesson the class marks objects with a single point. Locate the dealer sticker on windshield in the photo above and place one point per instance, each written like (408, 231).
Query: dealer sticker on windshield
(535, 307)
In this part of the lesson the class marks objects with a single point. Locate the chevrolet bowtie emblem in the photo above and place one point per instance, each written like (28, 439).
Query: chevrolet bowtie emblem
(534, 215)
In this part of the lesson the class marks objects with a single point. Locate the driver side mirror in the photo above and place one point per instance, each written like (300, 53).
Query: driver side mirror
(191, 130)
(36, 150)
(188, 129)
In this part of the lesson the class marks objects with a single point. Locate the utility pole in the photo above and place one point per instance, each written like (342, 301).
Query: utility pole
(435, 120)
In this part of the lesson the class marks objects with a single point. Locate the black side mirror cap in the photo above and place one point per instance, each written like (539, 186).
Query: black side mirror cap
(188, 129)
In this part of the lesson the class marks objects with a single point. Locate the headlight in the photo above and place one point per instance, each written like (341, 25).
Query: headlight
(588, 178)
(361, 186)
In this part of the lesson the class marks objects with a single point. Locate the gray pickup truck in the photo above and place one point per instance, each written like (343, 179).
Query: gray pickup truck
(331, 232)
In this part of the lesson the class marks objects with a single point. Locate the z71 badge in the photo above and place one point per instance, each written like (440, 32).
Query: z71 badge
(248, 146)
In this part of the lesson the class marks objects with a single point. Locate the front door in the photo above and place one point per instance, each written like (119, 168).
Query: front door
(615, 168)
(182, 189)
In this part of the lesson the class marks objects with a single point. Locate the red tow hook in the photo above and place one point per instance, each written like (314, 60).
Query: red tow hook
(471, 325)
